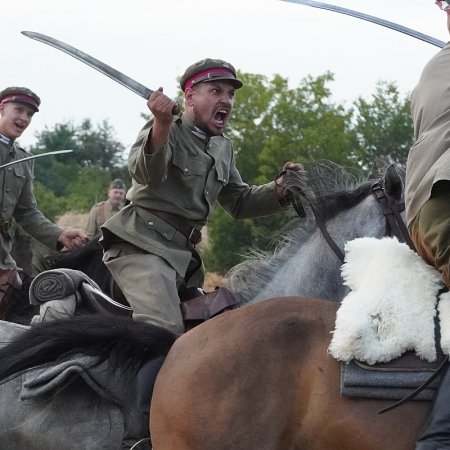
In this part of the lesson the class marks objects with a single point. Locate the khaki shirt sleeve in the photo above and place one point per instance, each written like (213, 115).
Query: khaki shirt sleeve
(244, 202)
(146, 168)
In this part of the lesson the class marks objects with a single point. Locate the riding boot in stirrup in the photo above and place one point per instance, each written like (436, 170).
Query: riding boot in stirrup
(436, 432)
(137, 416)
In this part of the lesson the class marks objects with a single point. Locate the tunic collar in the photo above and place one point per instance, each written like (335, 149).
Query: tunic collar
(196, 131)
(6, 140)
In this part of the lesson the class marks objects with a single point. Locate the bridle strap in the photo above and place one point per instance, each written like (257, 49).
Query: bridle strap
(323, 229)
(320, 223)
(395, 226)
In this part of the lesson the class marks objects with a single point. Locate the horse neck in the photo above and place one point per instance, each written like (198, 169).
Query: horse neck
(313, 269)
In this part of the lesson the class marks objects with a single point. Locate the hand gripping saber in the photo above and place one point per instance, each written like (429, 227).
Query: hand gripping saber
(373, 19)
(103, 68)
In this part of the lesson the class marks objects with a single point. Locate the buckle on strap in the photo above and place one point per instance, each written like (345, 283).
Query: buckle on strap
(195, 236)
(5, 226)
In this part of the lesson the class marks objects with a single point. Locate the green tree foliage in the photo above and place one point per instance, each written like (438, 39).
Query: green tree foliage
(383, 126)
(75, 181)
(92, 147)
(50, 204)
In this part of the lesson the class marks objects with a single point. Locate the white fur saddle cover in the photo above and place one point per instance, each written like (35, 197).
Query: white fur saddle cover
(391, 306)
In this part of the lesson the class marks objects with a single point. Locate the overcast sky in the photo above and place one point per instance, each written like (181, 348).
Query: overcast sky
(153, 41)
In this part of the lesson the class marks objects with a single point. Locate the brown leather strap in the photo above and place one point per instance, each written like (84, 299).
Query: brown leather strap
(181, 224)
(208, 305)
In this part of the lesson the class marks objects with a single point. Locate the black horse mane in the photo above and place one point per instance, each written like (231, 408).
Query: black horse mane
(126, 343)
(76, 258)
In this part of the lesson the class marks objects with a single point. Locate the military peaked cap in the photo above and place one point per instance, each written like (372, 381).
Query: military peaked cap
(117, 184)
(21, 95)
(209, 70)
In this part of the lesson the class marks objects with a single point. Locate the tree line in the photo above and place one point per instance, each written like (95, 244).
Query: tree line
(271, 123)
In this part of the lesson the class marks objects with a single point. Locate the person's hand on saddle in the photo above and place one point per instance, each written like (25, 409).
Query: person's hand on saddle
(292, 174)
(72, 238)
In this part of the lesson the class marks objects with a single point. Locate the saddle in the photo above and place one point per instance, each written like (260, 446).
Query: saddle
(396, 311)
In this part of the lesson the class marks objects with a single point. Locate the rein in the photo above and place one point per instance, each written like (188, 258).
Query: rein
(391, 211)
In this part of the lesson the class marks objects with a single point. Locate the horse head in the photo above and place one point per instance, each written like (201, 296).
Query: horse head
(341, 202)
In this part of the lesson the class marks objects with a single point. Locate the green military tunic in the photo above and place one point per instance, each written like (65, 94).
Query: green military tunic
(18, 202)
(98, 215)
(186, 177)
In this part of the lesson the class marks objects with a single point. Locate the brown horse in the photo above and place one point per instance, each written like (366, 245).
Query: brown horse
(260, 377)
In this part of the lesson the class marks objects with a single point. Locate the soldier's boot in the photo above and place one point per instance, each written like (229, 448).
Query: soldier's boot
(9, 279)
(436, 432)
(137, 416)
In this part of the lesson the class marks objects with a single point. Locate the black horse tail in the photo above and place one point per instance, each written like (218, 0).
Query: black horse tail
(126, 343)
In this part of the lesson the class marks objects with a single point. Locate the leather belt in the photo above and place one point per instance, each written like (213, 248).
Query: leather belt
(191, 233)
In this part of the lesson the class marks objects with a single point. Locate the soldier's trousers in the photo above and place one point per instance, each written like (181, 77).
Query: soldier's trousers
(149, 284)
(430, 230)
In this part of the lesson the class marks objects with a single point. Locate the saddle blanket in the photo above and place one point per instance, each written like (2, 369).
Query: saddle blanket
(391, 308)
(392, 381)
(385, 327)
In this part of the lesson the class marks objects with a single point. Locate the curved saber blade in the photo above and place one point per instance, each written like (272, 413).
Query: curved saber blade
(373, 19)
(56, 152)
(109, 71)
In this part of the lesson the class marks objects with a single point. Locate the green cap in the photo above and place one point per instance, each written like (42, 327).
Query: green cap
(20, 95)
(209, 70)
(117, 184)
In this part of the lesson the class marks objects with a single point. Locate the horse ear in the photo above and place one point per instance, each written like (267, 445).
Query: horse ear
(393, 182)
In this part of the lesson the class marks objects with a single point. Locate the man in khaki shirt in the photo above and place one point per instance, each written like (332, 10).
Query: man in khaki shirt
(17, 107)
(427, 195)
(103, 211)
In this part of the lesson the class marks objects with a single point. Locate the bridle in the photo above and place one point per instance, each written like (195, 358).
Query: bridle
(395, 226)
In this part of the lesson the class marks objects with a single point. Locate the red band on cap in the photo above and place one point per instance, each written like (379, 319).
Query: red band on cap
(191, 81)
(20, 98)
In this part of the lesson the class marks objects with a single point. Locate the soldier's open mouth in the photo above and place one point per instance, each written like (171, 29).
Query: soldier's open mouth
(221, 116)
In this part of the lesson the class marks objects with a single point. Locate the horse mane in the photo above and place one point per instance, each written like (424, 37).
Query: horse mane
(126, 343)
(331, 189)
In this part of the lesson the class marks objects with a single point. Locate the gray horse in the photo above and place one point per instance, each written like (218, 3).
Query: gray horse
(53, 398)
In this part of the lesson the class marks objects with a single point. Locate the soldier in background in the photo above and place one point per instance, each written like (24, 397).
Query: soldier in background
(102, 211)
